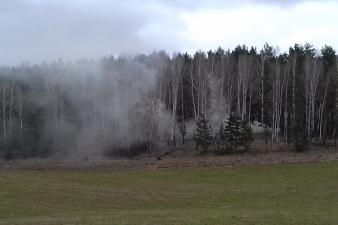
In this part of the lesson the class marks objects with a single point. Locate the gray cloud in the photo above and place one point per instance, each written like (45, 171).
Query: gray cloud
(37, 30)
(212, 4)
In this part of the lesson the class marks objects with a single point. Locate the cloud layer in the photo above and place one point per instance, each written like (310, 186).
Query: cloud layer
(37, 30)
(313, 22)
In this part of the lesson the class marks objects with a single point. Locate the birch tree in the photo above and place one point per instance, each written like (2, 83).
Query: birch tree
(279, 83)
(312, 73)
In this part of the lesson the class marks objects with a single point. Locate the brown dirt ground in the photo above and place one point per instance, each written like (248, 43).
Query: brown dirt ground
(260, 154)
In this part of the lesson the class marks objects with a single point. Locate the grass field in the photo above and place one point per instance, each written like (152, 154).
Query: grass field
(274, 194)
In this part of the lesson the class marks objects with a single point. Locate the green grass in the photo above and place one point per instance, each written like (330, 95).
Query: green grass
(275, 194)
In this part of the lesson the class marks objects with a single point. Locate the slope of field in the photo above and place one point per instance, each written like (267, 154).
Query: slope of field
(255, 194)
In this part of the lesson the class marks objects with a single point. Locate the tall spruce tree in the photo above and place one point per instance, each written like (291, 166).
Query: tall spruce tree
(203, 133)
(246, 136)
(330, 74)
(237, 133)
(232, 132)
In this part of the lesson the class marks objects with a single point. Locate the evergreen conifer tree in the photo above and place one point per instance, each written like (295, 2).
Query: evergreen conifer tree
(246, 136)
(237, 133)
(203, 133)
(232, 132)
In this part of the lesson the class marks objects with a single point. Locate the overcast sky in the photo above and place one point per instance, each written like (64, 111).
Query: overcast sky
(37, 30)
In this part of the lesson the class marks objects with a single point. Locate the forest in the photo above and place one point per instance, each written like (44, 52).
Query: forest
(121, 105)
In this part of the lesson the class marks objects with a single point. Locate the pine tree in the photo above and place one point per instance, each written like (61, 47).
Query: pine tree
(237, 133)
(232, 132)
(203, 133)
(246, 136)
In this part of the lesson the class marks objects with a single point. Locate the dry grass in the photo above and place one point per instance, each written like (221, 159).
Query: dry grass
(256, 194)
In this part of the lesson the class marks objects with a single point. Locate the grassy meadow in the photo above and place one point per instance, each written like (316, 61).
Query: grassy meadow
(270, 194)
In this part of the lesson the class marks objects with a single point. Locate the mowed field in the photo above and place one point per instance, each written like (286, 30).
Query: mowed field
(263, 194)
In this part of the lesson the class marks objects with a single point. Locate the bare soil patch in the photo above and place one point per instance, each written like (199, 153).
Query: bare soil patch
(180, 158)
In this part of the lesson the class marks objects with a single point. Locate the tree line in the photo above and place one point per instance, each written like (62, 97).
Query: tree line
(118, 102)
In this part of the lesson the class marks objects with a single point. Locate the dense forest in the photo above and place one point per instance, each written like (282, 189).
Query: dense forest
(124, 102)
